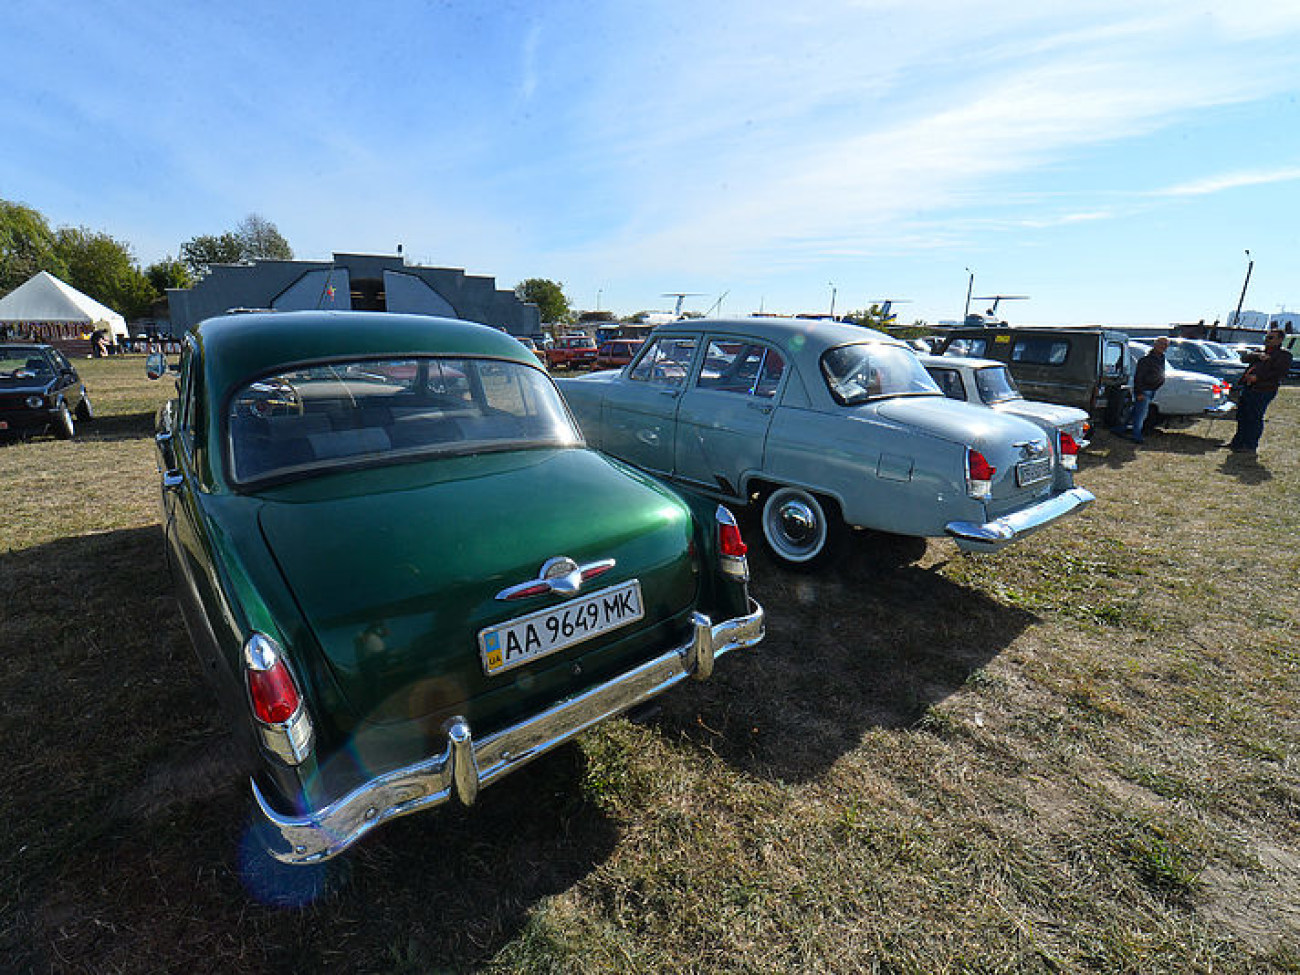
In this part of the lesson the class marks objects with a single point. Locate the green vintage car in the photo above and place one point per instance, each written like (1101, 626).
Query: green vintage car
(404, 572)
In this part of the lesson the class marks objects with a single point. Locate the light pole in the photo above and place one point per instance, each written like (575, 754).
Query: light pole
(1236, 315)
(970, 285)
(832, 284)
(599, 292)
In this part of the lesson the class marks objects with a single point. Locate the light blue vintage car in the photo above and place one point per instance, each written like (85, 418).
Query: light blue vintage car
(823, 425)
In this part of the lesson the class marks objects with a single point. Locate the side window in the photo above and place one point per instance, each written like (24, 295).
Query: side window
(769, 377)
(187, 421)
(665, 362)
(740, 367)
(1112, 361)
(1040, 351)
(949, 381)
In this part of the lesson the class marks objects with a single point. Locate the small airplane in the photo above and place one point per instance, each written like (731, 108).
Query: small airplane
(680, 296)
(885, 304)
(990, 317)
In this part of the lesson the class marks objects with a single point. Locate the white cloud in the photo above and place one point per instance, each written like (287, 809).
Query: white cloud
(1232, 181)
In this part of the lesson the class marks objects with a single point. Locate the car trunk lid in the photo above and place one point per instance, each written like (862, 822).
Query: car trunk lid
(397, 571)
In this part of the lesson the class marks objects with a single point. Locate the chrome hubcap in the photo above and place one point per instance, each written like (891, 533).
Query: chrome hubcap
(798, 523)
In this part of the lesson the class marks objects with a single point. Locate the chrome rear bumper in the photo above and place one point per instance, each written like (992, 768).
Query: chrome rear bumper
(992, 535)
(467, 765)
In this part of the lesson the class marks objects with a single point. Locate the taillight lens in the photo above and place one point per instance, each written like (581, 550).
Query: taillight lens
(732, 549)
(283, 723)
(275, 699)
(729, 541)
(271, 689)
(1069, 451)
(979, 474)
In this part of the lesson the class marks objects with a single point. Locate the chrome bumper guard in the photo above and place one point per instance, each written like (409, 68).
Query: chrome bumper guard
(467, 765)
(993, 535)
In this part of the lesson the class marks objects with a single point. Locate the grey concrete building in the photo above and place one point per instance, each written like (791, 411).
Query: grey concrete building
(362, 282)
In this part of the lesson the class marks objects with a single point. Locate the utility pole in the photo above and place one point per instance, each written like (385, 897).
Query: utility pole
(970, 285)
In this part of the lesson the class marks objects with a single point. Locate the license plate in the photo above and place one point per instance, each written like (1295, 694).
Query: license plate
(547, 631)
(1033, 471)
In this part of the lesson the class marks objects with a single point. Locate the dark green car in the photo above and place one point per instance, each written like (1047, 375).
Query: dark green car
(405, 573)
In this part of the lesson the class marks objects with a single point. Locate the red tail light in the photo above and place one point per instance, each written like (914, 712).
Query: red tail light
(275, 699)
(732, 549)
(979, 474)
(729, 541)
(283, 723)
(1069, 452)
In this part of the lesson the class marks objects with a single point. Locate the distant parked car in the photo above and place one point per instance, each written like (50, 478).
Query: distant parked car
(1081, 367)
(570, 351)
(404, 572)
(989, 383)
(1208, 358)
(40, 390)
(1185, 396)
(531, 346)
(617, 352)
(821, 425)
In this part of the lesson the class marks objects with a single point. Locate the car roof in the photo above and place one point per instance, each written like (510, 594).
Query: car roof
(237, 347)
(817, 335)
(970, 362)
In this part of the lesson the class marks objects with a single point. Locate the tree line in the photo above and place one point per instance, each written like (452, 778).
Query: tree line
(101, 266)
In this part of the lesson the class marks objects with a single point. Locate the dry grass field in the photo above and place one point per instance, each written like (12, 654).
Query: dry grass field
(1081, 755)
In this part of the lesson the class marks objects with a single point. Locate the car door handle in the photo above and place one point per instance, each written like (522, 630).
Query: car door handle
(761, 407)
(674, 393)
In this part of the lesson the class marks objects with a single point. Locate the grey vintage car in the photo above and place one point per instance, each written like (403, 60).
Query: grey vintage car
(822, 425)
(986, 382)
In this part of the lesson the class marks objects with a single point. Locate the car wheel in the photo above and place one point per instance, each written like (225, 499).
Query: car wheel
(85, 412)
(65, 428)
(1118, 406)
(798, 527)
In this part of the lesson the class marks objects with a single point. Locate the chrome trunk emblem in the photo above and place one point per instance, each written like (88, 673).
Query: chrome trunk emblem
(560, 575)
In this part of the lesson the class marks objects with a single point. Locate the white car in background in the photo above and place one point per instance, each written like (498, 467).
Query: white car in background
(987, 382)
(1185, 396)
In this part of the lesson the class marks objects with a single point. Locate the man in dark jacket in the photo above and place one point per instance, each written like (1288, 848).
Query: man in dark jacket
(1259, 386)
(1148, 376)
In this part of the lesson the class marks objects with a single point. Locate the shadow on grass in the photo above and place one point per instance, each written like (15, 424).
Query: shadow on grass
(122, 426)
(1114, 451)
(124, 800)
(1246, 468)
(872, 642)
(124, 819)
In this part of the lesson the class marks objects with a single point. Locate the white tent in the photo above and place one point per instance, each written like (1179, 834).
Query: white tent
(46, 308)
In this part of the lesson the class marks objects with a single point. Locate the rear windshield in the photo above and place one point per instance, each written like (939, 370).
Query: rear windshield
(995, 385)
(872, 370)
(361, 412)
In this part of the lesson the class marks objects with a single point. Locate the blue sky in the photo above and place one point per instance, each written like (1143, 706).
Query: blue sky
(1111, 160)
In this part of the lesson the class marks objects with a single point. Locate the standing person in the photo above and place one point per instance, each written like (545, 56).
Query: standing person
(1147, 378)
(1259, 386)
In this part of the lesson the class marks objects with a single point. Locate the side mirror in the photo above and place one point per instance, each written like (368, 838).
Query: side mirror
(155, 366)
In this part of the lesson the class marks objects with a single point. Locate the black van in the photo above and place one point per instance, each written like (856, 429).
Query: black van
(1083, 367)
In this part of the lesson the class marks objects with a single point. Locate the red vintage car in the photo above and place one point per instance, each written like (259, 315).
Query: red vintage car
(571, 350)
